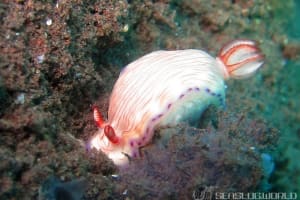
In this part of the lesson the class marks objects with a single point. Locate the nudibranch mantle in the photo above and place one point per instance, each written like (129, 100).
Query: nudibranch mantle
(166, 88)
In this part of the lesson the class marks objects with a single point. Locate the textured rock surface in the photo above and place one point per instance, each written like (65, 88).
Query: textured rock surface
(59, 57)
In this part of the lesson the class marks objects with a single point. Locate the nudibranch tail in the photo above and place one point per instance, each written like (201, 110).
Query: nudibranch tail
(240, 58)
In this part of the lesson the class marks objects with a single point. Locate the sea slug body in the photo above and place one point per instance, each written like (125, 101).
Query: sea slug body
(166, 88)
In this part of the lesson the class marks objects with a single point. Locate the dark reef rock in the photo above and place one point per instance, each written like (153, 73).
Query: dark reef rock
(59, 57)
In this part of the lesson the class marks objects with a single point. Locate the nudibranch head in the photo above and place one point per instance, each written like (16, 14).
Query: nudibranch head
(107, 140)
(166, 88)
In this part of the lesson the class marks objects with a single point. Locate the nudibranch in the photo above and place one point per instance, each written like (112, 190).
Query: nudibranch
(166, 88)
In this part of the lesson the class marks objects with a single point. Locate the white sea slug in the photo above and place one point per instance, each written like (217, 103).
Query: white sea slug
(165, 88)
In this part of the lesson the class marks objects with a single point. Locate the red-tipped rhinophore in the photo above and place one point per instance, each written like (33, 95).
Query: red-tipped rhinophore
(110, 134)
(97, 117)
(108, 130)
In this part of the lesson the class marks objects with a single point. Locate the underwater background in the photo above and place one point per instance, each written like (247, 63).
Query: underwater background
(57, 58)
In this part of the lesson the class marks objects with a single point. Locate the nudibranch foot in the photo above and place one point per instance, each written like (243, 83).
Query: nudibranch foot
(190, 105)
(167, 88)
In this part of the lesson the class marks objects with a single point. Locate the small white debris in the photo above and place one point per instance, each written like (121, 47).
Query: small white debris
(20, 99)
(49, 22)
(125, 28)
(125, 192)
(252, 148)
(41, 58)
(115, 175)
(37, 71)
(17, 33)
